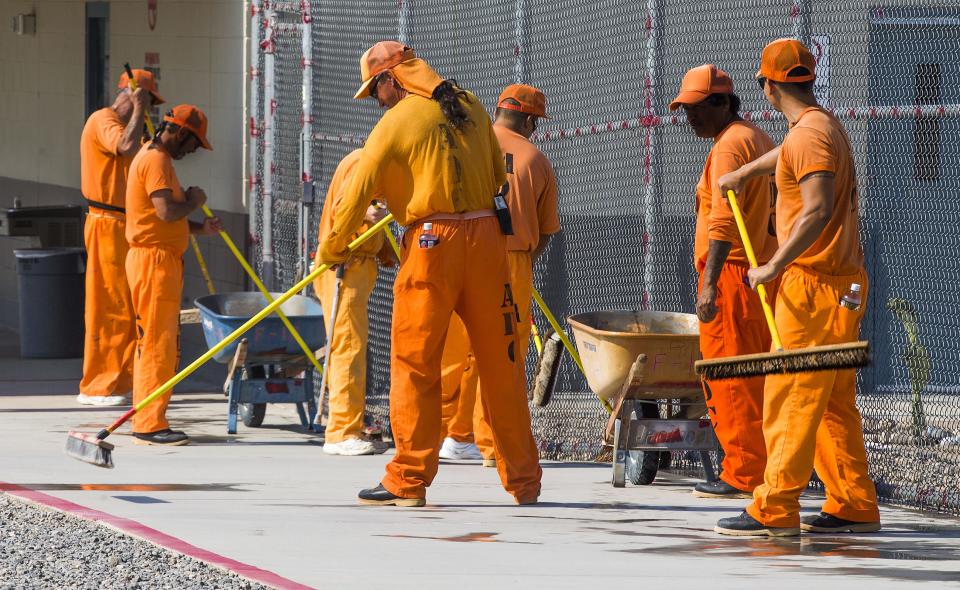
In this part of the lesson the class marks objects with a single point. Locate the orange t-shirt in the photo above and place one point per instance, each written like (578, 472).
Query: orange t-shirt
(103, 172)
(533, 190)
(338, 186)
(152, 171)
(817, 142)
(739, 143)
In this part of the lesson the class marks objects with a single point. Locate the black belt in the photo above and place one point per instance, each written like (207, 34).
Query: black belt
(104, 206)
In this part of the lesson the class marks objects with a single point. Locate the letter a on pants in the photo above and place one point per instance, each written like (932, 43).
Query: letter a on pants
(109, 337)
(465, 272)
(156, 283)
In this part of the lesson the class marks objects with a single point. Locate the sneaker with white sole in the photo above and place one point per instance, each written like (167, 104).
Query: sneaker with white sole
(351, 447)
(103, 400)
(459, 451)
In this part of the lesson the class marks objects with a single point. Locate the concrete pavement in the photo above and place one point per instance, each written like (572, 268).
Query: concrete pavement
(269, 498)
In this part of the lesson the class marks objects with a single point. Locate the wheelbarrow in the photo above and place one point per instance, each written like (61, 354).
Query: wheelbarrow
(641, 362)
(267, 366)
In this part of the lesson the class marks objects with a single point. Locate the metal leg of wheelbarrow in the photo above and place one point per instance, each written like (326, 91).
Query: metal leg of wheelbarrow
(621, 435)
(233, 404)
(306, 414)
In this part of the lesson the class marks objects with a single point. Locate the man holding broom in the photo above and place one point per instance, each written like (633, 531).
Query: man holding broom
(436, 158)
(810, 419)
(158, 232)
(731, 318)
(111, 138)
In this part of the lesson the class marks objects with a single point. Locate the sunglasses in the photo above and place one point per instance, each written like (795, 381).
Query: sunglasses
(762, 82)
(373, 84)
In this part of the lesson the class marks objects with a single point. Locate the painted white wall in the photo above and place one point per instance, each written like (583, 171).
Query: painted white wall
(200, 45)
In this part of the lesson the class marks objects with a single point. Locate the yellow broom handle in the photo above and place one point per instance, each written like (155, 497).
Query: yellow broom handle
(269, 309)
(146, 114)
(203, 264)
(536, 336)
(263, 289)
(563, 338)
(748, 248)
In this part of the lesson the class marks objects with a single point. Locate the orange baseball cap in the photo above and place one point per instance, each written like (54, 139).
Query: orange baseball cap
(380, 58)
(191, 118)
(783, 55)
(532, 101)
(699, 83)
(144, 79)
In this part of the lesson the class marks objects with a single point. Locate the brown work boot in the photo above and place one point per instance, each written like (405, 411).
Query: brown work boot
(380, 496)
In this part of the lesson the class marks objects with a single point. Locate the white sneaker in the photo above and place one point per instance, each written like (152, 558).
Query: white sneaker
(103, 400)
(459, 451)
(350, 447)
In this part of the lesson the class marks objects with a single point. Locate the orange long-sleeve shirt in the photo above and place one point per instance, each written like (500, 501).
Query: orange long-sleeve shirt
(739, 143)
(817, 142)
(422, 166)
(338, 185)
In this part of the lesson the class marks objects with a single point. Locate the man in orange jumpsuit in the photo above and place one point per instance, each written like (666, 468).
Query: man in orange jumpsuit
(731, 317)
(110, 139)
(532, 199)
(810, 420)
(158, 232)
(347, 364)
(435, 157)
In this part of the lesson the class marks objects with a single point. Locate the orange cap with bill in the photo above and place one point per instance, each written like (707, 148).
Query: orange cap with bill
(192, 119)
(699, 83)
(144, 79)
(530, 100)
(380, 58)
(782, 56)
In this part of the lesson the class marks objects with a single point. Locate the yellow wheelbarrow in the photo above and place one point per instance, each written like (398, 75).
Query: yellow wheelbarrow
(641, 362)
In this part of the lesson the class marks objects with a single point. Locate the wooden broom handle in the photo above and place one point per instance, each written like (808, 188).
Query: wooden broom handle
(761, 290)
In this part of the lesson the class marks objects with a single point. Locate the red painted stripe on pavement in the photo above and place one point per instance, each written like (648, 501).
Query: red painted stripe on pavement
(154, 536)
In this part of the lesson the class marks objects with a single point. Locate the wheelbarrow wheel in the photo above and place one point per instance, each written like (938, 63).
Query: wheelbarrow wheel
(252, 414)
(642, 467)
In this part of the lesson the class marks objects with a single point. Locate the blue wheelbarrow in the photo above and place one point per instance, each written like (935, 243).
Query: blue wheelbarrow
(266, 366)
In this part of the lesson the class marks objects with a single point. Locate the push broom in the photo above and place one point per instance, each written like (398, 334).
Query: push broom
(849, 355)
(96, 450)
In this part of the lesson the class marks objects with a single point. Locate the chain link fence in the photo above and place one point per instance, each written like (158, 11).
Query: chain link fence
(627, 169)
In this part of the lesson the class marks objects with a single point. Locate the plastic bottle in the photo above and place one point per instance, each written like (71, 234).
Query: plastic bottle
(427, 238)
(852, 298)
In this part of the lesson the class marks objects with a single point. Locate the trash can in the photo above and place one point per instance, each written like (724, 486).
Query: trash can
(51, 294)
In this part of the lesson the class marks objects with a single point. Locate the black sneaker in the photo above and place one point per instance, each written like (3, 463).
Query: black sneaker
(379, 496)
(165, 437)
(747, 526)
(827, 523)
(719, 489)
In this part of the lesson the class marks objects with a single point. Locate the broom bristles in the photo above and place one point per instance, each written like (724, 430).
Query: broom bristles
(804, 360)
(547, 370)
(89, 449)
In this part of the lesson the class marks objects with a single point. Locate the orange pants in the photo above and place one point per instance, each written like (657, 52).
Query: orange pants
(736, 405)
(156, 284)
(810, 420)
(463, 418)
(110, 336)
(466, 273)
(347, 366)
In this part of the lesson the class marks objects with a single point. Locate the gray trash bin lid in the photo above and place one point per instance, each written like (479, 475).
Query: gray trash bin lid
(51, 261)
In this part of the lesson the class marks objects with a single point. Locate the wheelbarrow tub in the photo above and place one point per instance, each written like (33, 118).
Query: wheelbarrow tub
(609, 343)
(269, 340)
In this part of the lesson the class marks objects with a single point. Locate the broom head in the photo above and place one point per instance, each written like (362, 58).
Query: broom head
(547, 370)
(89, 449)
(849, 355)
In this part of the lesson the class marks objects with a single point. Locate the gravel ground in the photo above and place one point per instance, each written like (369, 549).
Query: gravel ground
(43, 548)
